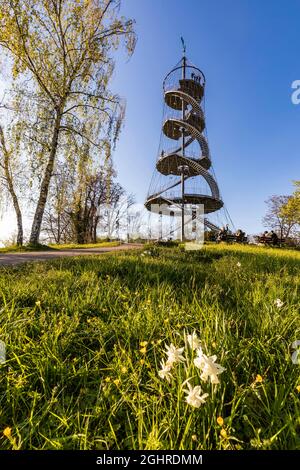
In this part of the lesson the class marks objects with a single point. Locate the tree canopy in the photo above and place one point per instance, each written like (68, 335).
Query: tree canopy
(62, 59)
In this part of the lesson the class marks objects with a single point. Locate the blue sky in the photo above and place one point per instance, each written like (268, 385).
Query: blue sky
(250, 54)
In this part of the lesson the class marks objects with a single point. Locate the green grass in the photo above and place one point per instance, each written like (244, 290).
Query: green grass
(72, 246)
(29, 247)
(67, 246)
(77, 377)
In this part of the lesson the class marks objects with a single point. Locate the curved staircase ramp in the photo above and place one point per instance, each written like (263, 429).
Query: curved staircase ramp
(187, 126)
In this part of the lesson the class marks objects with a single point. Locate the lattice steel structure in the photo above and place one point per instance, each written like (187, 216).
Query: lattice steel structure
(182, 171)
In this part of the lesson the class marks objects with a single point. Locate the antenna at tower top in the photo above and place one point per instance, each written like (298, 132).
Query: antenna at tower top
(183, 45)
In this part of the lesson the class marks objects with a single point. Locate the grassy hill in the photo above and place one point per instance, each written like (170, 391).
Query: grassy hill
(85, 339)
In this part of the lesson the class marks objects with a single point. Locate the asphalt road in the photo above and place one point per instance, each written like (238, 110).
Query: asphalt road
(10, 259)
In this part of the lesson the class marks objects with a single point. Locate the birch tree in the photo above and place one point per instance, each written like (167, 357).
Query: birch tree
(64, 50)
(6, 166)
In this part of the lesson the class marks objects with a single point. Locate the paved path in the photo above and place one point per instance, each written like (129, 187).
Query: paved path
(10, 259)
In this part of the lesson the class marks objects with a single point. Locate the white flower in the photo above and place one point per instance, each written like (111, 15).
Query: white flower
(278, 303)
(164, 372)
(174, 354)
(143, 254)
(194, 397)
(210, 369)
(198, 361)
(238, 264)
(208, 366)
(194, 341)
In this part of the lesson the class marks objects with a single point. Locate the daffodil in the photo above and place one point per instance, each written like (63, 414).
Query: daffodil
(193, 341)
(164, 372)
(194, 397)
(278, 303)
(198, 361)
(174, 354)
(210, 369)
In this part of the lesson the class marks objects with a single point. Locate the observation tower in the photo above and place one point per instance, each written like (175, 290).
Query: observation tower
(182, 175)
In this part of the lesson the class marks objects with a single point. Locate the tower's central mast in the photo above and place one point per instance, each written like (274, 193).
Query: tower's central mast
(183, 167)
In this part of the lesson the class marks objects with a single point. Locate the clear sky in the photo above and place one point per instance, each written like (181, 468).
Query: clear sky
(249, 51)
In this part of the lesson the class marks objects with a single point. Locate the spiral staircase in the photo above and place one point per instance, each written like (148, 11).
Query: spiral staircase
(183, 93)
